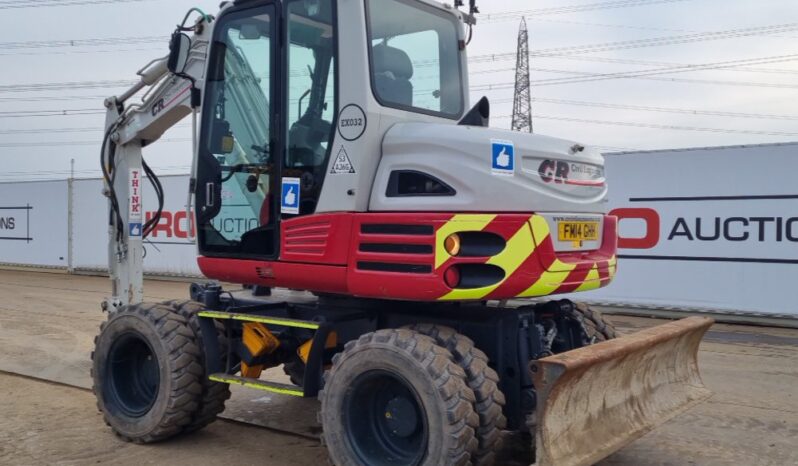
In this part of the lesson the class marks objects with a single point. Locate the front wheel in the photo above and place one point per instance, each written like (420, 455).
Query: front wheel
(214, 394)
(393, 397)
(146, 372)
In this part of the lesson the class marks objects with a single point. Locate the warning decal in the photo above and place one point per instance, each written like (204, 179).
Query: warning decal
(134, 210)
(342, 164)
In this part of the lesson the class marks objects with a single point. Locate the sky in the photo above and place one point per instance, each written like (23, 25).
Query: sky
(623, 78)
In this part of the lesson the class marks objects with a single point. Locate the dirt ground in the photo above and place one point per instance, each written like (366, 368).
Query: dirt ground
(48, 321)
(43, 423)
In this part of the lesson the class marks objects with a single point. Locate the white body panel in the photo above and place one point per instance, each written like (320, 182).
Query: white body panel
(461, 157)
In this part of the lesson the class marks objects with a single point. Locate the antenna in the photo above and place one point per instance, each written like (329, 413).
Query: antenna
(522, 101)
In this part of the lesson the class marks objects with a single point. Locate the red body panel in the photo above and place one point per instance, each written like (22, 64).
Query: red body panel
(316, 239)
(393, 256)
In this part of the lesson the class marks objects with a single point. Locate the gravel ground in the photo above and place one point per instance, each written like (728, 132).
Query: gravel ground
(48, 321)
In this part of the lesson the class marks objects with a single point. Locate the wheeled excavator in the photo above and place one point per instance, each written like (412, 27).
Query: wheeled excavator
(335, 151)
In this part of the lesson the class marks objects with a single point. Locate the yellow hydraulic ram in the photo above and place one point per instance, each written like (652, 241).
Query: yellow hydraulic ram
(594, 400)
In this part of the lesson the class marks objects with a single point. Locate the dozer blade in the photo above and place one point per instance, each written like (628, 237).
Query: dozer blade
(594, 400)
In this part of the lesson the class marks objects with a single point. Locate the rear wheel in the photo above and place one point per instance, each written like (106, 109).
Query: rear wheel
(146, 371)
(294, 368)
(482, 380)
(394, 397)
(595, 328)
(214, 394)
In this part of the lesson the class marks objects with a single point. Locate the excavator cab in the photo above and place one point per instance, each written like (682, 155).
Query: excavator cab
(269, 111)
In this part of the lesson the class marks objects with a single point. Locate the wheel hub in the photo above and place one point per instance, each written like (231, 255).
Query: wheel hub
(133, 375)
(401, 416)
(386, 423)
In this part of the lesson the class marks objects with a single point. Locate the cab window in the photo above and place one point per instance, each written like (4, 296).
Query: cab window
(415, 57)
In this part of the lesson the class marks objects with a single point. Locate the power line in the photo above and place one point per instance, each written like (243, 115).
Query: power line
(624, 61)
(47, 98)
(57, 3)
(577, 8)
(667, 109)
(50, 113)
(631, 44)
(673, 69)
(82, 52)
(57, 86)
(681, 67)
(74, 143)
(644, 108)
(36, 44)
(623, 26)
(664, 40)
(582, 77)
(85, 129)
(655, 126)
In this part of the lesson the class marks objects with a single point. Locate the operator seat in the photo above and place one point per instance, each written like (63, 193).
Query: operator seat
(392, 72)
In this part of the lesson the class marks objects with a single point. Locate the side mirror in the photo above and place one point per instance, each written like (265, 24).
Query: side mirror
(179, 46)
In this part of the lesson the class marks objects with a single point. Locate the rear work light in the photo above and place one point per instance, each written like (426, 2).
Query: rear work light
(452, 244)
(452, 277)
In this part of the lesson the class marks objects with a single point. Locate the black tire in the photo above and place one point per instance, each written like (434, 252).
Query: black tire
(214, 394)
(482, 380)
(146, 371)
(294, 368)
(395, 397)
(595, 327)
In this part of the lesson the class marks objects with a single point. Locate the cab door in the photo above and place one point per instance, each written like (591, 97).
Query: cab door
(240, 147)
(267, 125)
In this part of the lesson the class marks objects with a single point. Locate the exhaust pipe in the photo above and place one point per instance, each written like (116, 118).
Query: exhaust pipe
(595, 400)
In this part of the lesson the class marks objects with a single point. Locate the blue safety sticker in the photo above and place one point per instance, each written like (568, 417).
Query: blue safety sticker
(503, 157)
(290, 196)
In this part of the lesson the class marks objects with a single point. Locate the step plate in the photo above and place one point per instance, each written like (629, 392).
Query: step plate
(262, 319)
(257, 384)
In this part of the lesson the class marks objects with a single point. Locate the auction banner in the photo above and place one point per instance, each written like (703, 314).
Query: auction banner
(713, 228)
(33, 223)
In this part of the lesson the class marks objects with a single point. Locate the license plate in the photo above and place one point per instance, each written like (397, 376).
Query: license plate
(578, 231)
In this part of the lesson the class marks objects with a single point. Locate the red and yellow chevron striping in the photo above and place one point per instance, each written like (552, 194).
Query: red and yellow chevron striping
(530, 264)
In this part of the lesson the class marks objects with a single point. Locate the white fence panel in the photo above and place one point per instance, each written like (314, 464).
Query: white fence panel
(33, 223)
(712, 228)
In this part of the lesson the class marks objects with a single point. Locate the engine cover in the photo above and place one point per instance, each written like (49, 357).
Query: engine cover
(485, 170)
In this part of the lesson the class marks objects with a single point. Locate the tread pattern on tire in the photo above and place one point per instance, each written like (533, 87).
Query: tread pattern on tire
(449, 379)
(186, 371)
(214, 394)
(595, 325)
(482, 380)
(294, 368)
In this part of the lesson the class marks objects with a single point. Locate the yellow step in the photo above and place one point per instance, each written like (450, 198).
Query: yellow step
(262, 319)
(258, 384)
